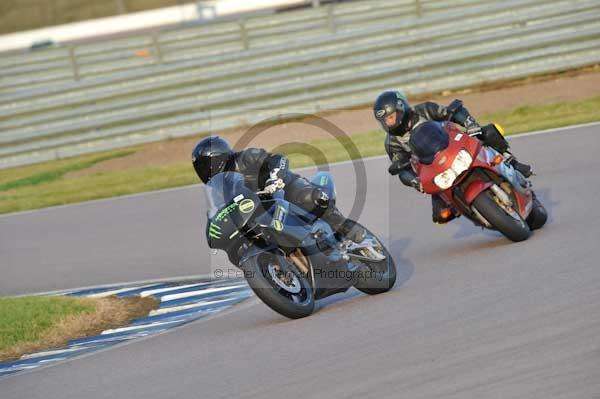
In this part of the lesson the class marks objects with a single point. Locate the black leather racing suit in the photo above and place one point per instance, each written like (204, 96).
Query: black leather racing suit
(396, 144)
(257, 165)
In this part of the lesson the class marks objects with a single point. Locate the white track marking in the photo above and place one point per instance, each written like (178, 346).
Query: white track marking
(200, 292)
(50, 353)
(144, 294)
(140, 327)
(99, 339)
(172, 309)
(117, 291)
(180, 279)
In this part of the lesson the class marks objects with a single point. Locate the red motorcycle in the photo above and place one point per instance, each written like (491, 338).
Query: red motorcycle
(475, 180)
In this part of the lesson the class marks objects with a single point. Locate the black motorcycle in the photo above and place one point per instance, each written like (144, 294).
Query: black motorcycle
(289, 256)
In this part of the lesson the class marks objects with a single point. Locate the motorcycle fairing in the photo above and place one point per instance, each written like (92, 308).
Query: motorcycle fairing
(518, 183)
(443, 159)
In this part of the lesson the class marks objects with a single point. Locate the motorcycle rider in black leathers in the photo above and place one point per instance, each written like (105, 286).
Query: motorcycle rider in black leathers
(265, 171)
(398, 118)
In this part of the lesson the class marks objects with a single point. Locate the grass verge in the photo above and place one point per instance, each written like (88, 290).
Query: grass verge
(48, 175)
(29, 324)
(19, 15)
(43, 185)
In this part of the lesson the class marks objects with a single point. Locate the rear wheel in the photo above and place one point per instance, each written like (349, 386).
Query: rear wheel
(280, 285)
(381, 274)
(503, 218)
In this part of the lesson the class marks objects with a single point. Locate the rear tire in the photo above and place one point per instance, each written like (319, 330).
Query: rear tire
(384, 272)
(513, 229)
(262, 282)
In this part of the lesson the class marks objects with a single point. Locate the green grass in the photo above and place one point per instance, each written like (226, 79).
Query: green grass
(43, 185)
(539, 117)
(25, 320)
(52, 174)
(18, 15)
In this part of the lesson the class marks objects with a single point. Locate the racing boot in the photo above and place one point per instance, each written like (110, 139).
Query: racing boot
(345, 227)
(523, 168)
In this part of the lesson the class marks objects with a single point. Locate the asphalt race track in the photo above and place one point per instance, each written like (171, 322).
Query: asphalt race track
(473, 315)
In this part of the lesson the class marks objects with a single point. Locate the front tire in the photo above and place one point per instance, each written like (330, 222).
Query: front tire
(513, 229)
(279, 284)
(383, 272)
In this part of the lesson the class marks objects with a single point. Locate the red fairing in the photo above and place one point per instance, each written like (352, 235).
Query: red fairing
(524, 203)
(476, 188)
(443, 159)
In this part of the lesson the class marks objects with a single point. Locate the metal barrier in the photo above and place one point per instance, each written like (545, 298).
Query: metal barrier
(106, 57)
(364, 47)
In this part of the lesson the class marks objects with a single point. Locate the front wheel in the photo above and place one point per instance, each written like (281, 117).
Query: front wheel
(506, 220)
(380, 275)
(279, 284)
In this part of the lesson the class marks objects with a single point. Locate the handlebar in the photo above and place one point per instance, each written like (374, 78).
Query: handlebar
(277, 194)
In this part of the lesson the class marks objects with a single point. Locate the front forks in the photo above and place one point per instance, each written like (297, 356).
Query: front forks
(363, 251)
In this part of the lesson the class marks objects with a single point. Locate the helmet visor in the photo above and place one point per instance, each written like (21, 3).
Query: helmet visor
(209, 166)
(391, 120)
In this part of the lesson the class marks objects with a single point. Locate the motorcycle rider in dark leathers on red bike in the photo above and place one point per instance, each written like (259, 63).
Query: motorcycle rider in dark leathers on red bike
(398, 118)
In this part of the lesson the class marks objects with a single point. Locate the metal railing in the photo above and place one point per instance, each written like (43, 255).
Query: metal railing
(372, 46)
(106, 57)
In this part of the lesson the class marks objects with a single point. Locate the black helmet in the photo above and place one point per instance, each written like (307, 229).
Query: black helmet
(212, 156)
(386, 105)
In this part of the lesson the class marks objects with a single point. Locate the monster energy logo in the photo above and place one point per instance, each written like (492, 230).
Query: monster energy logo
(226, 212)
(214, 231)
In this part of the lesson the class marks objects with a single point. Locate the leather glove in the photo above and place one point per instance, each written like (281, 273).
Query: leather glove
(320, 198)
(275, 181)
(473, 128)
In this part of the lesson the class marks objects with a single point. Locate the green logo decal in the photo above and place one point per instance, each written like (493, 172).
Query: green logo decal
(323, 180)
(247, 205)
(214, 231)
(278, 218)
(277, 225)
(223, 214)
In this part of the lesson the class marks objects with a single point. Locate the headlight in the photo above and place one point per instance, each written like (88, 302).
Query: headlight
(460, 164)
(445, 179)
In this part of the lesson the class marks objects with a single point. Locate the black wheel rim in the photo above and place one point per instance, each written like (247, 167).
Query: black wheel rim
(283, 278)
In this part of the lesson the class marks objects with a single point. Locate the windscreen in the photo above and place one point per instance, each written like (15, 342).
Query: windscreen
(427, 139)
(222, 189)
